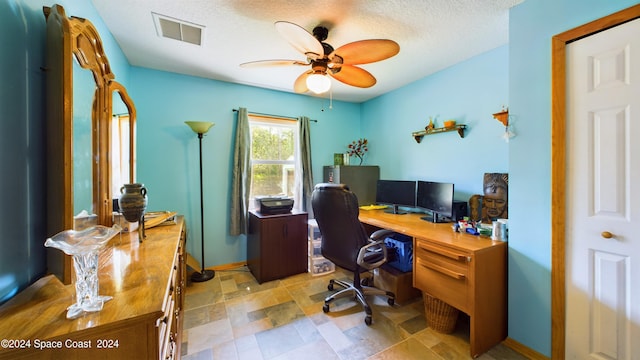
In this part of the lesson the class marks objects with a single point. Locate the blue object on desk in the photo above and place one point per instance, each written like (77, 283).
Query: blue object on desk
(400, 252)
(473, 231)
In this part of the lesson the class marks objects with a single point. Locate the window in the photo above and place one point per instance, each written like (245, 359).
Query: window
(121, 153)
(274, 149)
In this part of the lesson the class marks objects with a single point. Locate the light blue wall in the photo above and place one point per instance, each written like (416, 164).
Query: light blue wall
(517, 76)
(21, 100)
(532, 24)
(167, 149)
(22, 135)
(469, 92)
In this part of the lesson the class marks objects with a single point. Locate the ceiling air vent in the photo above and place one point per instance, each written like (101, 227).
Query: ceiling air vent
(178, 29)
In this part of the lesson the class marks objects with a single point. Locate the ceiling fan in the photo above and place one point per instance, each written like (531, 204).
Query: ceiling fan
(340, 63)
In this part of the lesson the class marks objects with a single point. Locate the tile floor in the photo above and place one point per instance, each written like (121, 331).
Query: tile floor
(233, 317)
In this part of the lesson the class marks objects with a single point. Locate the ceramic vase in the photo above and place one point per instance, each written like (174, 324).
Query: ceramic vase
(133, 201)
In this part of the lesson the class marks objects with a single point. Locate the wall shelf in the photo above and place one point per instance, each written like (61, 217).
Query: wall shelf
(418, 135)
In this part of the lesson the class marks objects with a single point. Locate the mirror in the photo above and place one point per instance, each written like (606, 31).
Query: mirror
(123, 137)
(80, 98)
(82, 174)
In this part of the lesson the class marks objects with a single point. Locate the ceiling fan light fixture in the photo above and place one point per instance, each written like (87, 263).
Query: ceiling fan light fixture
(318, 83)
(339, 64)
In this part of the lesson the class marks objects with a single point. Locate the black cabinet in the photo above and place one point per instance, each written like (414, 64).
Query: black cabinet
(277, 245)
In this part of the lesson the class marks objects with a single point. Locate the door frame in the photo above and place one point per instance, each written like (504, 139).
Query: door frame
(558, 165)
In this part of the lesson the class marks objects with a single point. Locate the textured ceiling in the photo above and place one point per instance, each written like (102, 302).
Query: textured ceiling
(432, 34)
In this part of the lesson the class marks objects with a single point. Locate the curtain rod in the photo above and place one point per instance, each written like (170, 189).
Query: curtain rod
(273, 116)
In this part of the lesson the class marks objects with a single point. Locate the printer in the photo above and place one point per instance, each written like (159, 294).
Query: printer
(270, 205)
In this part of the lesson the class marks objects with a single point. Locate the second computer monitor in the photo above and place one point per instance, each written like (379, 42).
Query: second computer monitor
(436, 197)
(396, 193)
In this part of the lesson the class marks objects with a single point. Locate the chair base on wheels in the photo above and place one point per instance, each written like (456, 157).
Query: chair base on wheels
(358, 291)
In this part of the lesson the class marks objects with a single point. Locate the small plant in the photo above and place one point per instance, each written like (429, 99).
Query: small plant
(358, 148)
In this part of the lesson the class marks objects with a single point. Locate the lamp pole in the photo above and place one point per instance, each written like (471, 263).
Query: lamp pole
(201, 128)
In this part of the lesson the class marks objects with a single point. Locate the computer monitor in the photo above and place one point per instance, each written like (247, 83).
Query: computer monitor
(436, 197)
(396, 193)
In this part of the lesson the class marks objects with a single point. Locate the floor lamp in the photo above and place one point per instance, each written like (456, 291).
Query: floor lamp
(200, 128)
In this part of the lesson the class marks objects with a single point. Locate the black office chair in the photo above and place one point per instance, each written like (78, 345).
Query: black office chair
(346, 244)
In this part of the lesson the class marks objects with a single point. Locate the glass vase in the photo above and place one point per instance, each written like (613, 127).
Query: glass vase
(84, 246)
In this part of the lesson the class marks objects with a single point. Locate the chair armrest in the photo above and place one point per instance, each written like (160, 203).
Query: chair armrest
(376, 244)
(381, 234)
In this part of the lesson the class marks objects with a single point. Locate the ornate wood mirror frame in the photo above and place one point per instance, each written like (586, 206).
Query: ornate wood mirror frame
(69, 40)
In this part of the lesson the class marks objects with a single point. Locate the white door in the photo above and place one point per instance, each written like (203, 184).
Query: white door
(603, 189)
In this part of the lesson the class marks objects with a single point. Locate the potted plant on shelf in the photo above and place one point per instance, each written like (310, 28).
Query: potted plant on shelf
(358, 148)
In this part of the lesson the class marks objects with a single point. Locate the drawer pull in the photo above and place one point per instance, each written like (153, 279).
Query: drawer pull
(449, 254)
(442, 270)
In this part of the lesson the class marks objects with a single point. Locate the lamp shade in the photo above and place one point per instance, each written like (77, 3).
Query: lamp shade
(199, 127)
(318, 83)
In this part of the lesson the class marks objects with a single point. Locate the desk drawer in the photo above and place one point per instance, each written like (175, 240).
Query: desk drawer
(443, 273)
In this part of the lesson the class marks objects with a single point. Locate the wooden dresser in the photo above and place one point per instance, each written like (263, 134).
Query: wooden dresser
(143, 320)
(277, 245)
(465, 271)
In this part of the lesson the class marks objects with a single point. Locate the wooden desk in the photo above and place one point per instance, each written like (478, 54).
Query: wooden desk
(142, 321)
(465, 271)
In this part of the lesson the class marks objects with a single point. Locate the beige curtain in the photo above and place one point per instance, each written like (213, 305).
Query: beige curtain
(241, 179)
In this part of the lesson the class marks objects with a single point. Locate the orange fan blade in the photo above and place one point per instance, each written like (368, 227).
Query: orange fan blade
(300, 86)
(263, 63)
(366, 51)
(354, 76)
(300, 39)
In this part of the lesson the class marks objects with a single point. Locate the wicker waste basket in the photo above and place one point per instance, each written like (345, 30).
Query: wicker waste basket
(441, 316)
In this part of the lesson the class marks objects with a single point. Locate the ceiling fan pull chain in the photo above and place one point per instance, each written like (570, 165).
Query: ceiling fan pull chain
(330, 99)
